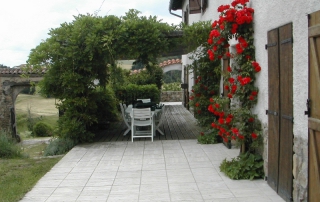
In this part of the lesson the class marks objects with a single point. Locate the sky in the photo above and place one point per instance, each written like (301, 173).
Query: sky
(25, 23)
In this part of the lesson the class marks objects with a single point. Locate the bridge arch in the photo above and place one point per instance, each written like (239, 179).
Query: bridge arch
(11, 84)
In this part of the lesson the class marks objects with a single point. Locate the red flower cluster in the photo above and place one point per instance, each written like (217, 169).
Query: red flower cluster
(253, 95)
(244, 81)
(256, 66)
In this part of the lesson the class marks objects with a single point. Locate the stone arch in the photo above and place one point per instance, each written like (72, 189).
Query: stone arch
(11, 84)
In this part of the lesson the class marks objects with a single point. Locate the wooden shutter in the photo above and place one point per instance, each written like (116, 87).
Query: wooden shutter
(280, 110)
(286, 112)
(273, 108)
(314, 113)
(195, 6)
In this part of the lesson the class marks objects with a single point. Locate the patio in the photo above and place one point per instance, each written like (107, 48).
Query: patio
(172, 168)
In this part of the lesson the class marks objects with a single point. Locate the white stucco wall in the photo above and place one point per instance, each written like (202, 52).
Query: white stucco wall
(269, 15)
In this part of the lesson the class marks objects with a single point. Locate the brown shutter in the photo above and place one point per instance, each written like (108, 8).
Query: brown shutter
(195, 6)
(314, 119)
(286, 112)
(273, 108)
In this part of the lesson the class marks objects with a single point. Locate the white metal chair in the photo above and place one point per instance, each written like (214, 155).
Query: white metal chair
(141, 117)
(159, 119)
(126, 118)
(145, 100)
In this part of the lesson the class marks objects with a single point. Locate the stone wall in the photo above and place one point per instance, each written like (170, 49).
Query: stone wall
(300, 169)
(171, 96)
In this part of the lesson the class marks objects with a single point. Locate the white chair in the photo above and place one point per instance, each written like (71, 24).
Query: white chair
(159, 119)
(141, 117)
(126, 118)
(145, 100)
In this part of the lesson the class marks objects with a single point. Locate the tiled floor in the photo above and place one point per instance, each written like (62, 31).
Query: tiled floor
(169, 170)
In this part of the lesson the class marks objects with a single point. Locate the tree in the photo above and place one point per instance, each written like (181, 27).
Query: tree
(86, 50)
(4, 66)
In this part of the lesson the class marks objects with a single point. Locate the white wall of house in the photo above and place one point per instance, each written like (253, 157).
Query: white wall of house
(269, 15)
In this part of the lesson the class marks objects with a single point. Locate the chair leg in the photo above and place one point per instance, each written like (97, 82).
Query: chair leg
(125, 132)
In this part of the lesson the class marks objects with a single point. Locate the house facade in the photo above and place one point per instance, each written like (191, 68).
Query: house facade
(285, 49)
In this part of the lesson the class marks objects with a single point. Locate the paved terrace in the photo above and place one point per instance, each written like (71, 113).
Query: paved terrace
(173, 168)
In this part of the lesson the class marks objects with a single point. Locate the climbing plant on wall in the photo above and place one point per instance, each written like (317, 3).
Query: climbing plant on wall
(231, 116)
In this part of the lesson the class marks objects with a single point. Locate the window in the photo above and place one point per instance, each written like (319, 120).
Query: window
(198, 6)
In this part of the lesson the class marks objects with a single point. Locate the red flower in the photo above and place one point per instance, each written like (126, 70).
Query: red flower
(202, 133)
(235, 130)
(211, 99)
(241, 137)
(254, 93)
(210, 109)
(222, 27)
(191, 97)
(197, 104)
(228, 120)
(251, 119)
(210, 41)
(248, 57)
(251, 97)
(230, 116)
(231, 80)
(221, 120)
(257, 69)
(228, 55)
(226, 87)
(233, 88)
(213, 125)
(245, 80)
(254, 136)
(217, 105)
(221, 114)
(229, 69)
(230, 95)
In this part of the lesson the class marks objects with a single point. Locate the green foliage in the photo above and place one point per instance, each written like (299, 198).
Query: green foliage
(151, 75)
(171, 86)
(172, 76)
(41, 129)
(86, 50)
(196, 35)
(245, 166)
(8, 148)
(130, 93)
(59, 146)
(210, 137)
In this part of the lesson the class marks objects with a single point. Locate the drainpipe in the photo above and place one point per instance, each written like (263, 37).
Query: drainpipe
(170, 3)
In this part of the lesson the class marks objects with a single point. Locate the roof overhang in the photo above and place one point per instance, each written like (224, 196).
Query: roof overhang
(175, 5)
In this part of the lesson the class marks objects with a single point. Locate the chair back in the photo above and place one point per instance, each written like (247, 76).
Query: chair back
(143, 114)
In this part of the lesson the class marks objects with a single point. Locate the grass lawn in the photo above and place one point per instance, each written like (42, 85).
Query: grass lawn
(18, 176)
(37, 108)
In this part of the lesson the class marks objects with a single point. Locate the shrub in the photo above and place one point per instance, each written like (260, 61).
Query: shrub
(245, 166)
(8, 148)
(171, 86)
(59, 146)
(41, 129)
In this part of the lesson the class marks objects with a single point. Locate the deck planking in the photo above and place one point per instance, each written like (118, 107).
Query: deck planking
(178, 124)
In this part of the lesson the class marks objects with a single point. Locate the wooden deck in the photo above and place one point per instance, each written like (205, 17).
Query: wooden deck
(178, 124)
